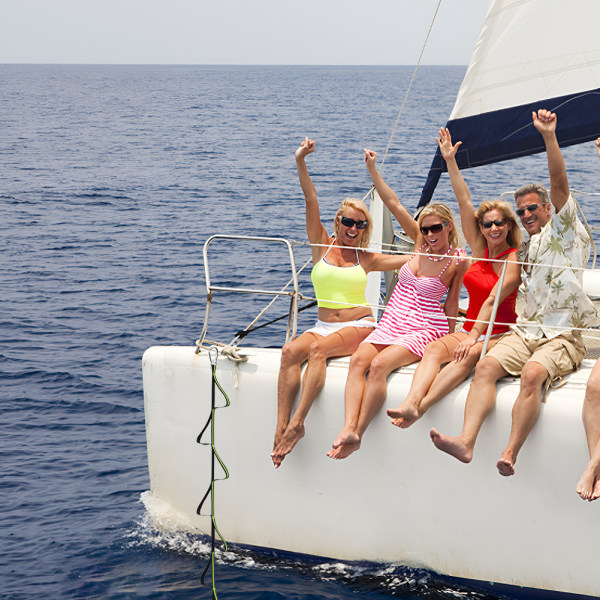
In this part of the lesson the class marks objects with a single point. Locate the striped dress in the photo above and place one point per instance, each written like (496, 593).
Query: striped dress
(414, 316)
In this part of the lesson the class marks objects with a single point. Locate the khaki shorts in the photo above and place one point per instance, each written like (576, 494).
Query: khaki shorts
(559, 356)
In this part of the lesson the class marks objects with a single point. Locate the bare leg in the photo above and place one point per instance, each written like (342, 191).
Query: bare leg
(435, 355)
(480, 402)
(388, 359)
(360, 362)
(293, 355)
(450, 377)
(341, 343)
(589, 483)
(524, 414)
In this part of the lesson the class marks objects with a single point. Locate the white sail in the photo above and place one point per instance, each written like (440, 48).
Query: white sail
(530, 54)
(530, 51)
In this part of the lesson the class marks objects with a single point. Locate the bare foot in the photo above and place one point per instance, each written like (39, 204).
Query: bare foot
(404, 416)
(589, 484)
(505, 467)
(279, 431)
(344, 445)
(453, 446)
(596, 492)
(293, 434)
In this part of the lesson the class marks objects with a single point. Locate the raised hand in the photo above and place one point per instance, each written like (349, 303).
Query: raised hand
(305, 148)
(544, 121)
(370, 158)
(444, 141)
(597, 142)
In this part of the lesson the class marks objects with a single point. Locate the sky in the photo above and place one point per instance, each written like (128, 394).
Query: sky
(324, 32)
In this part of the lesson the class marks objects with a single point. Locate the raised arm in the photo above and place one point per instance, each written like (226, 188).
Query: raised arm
(317, 234)
(512, 279)
(390, 199)
(461, 191)
(545, 122)
(597, 142)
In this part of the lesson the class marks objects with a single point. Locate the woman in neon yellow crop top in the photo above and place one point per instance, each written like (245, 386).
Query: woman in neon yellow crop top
(339, 276)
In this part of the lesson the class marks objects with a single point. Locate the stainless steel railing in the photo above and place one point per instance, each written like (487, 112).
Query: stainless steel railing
(294, 294)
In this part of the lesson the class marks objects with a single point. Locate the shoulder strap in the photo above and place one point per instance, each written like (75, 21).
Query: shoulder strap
(444, 269)
(508, 251)
(328, 249)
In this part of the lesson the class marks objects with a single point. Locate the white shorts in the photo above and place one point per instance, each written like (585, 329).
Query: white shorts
(324, 328)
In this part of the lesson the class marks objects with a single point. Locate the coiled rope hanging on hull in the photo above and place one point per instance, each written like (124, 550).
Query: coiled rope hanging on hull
(213, 355)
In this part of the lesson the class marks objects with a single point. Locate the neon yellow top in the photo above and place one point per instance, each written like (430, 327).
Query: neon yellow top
(339, 287)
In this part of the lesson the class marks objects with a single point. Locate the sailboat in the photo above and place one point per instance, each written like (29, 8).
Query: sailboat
(398, 500)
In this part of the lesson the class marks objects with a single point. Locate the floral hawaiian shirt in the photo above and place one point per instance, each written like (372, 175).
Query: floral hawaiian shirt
(553, 296)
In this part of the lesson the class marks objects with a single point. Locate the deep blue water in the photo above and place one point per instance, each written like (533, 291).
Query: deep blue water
(111, 179)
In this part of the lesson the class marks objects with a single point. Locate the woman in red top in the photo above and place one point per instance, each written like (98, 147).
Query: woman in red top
(492, 233)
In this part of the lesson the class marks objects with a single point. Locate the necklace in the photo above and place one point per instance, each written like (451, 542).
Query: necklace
(434, 258)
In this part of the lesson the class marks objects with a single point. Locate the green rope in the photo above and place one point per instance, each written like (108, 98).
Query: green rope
(214, 454)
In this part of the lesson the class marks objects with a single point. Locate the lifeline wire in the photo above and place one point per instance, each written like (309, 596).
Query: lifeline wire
(213, 354)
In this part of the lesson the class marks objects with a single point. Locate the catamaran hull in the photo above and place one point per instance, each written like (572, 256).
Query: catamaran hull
(398, 499)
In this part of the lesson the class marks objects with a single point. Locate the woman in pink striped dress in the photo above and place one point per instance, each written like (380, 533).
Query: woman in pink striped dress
(414, 316)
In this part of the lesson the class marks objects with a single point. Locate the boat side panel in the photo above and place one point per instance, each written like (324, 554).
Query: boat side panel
(397, 499)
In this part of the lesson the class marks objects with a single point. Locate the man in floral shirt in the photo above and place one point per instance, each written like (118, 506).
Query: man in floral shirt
(545, 343)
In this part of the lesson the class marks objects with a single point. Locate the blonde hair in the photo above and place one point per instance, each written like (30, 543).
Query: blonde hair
(358, 205)
(513, 237)
(445, 214)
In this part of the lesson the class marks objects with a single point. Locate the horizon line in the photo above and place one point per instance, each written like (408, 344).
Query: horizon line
(149, 64)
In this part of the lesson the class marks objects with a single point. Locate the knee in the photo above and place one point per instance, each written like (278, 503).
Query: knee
(315, 352)
(359, 363)
(592, 389)
(435, 353)
(379, 369)
(290, 355)
(486, 370)
(533, 377)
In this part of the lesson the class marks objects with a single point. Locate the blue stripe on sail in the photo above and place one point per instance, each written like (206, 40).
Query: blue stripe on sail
(509, 133)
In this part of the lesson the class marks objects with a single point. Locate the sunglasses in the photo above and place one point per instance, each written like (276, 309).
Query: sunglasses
(433, 228)
(496, 222)
(348, 222)
(531, 208)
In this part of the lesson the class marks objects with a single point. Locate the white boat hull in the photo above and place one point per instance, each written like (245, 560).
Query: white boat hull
(398, 499)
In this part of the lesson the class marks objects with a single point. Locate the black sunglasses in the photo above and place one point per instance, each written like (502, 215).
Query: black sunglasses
(496, 222)
(433, 228)
(531, 208)
(348, 222)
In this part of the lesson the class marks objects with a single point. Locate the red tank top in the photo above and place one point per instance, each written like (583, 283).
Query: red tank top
(479, 280)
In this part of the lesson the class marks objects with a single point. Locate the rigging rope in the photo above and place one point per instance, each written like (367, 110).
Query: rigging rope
(240, 335)
(409, 86)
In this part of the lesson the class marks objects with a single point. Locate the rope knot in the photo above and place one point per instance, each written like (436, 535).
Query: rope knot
(231, 352)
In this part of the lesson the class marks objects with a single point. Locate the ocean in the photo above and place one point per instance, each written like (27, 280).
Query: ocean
(111, 179)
